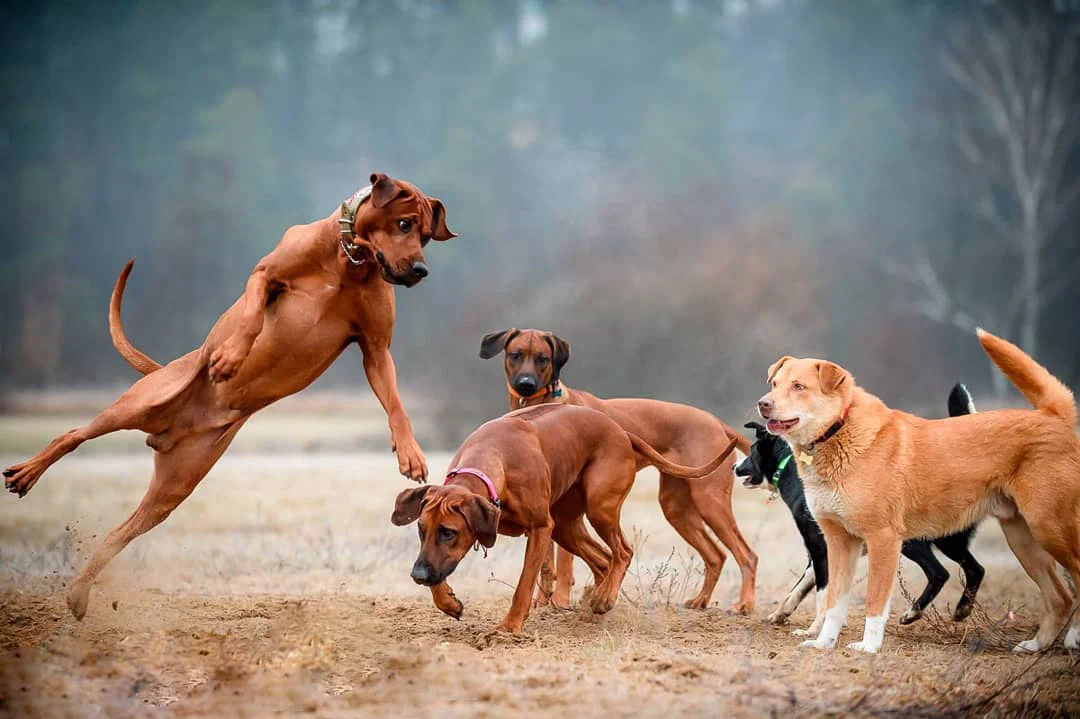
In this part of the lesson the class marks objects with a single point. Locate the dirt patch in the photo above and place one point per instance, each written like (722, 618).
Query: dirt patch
(280, 587)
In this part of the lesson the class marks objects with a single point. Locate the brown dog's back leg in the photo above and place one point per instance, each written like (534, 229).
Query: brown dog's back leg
(679, 510)
(606, 482)
(176, 474)
(142, 406)
(712, 497)
(573, 535)
(1039, 565)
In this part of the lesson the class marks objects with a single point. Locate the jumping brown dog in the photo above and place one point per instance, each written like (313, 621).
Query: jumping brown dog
(537, 472)
(683, 434)
(877, 476)
(325, 286)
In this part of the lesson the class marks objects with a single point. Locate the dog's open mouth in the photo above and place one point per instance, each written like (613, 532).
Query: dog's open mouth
(779, 426)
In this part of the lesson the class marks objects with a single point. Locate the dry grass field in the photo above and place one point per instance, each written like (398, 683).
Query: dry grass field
(281, 588)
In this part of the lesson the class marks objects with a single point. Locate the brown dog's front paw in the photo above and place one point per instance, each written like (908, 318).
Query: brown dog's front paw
(411, 461)
(225, 362)
(510, 626)
(446, 601)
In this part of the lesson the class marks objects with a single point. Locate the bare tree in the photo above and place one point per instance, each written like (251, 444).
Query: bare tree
(1019, 66)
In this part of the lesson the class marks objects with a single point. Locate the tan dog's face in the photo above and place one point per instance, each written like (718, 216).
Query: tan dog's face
(533, 358)
(398, 221)
(806, 397)
(451, 519)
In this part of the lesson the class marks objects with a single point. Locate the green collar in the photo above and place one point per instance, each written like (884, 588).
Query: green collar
(775, 479)
(347, 221)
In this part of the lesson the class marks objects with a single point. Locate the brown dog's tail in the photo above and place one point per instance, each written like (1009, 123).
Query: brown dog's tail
(741, 442)
(678, 470)
(134, 357)
(1045, 391)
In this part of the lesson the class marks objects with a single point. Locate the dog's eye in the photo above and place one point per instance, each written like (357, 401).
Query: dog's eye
(798, 387)
(542, 360)
(514, 356)
(405, 225)
(446, 534)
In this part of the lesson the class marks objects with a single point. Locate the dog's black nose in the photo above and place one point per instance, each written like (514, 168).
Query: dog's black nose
(421, 572)
(765, 406)
(420, 269)
(744, 468)
(526, 385)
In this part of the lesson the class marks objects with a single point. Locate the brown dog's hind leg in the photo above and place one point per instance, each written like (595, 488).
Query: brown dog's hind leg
(176, 474)
(606, 484)
(679, 510)
(1039, 565)
(573, 535)
(564, 579)
(712, 498)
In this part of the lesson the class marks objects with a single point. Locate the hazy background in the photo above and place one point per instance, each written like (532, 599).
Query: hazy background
(684, 190)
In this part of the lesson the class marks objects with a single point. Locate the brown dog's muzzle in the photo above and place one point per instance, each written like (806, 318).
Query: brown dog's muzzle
(409, 275)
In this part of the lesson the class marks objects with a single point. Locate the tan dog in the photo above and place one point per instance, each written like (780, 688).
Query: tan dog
(536, 471)
(532, 362)
(324, 287)
(881, 476)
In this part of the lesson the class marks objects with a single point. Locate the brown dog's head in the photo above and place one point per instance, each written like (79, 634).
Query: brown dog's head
(451, 520)
(533, 359)
(807, 397)
(398, 220)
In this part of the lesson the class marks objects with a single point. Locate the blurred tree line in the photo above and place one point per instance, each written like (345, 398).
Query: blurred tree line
(685, 190)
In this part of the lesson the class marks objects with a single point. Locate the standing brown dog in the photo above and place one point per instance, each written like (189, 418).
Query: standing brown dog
(683, 434)
(878, 476)
(536, 471)
(325, 286)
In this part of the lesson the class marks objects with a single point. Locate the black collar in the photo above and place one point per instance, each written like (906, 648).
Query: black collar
(829, 433)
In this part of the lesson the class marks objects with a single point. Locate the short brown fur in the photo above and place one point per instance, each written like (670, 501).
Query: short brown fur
(886, 476)
(682, 433)
(552, 466)
(304, 304)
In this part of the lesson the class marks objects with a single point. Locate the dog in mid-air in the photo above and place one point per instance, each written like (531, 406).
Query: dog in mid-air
(877, 476)
(770, 463)
(326, 286)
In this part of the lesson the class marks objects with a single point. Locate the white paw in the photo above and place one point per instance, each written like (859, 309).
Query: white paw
(802, 633)
(819, 643)
(1072, 638)
(1028, 645)
(864, 646)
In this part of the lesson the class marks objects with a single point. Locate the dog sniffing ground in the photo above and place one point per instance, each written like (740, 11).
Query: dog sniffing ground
(281, 586)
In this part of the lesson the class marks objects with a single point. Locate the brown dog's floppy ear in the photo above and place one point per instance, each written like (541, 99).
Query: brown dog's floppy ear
(408, 504)
(383, 189)
(831, 376)
(560, 348)
(438, 230)
(775, 367)
(495, 342)
(483, 518)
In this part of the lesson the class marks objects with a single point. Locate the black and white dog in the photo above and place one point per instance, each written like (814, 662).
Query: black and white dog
(770, 461)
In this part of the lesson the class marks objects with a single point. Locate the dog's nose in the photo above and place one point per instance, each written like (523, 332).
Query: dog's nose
(764, 406)
(421, 572)
(526, 385)
(743, 468)
(420, 269)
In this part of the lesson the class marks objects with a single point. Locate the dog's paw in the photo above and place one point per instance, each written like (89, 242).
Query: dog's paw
(561, 600)
(803, 632)
(21, 478)
(1028, 646)
(743, 609)
(778, 617)
(411, 461)
(819, 643)
(962, 611)
(225, 361)
(910, 616)
(697, 602)
(78, 598)
(864, 646)
(508, 626)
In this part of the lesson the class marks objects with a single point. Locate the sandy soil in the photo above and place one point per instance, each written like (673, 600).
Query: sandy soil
(281, 588)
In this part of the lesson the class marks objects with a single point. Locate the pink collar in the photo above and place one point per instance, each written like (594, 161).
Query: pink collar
(483, 478)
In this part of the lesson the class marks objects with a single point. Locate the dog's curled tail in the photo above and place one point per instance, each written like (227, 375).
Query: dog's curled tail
(1045, 391)
(678, 470)
(134, 357)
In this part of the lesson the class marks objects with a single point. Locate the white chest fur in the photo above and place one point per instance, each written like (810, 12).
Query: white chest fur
(821, 497)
